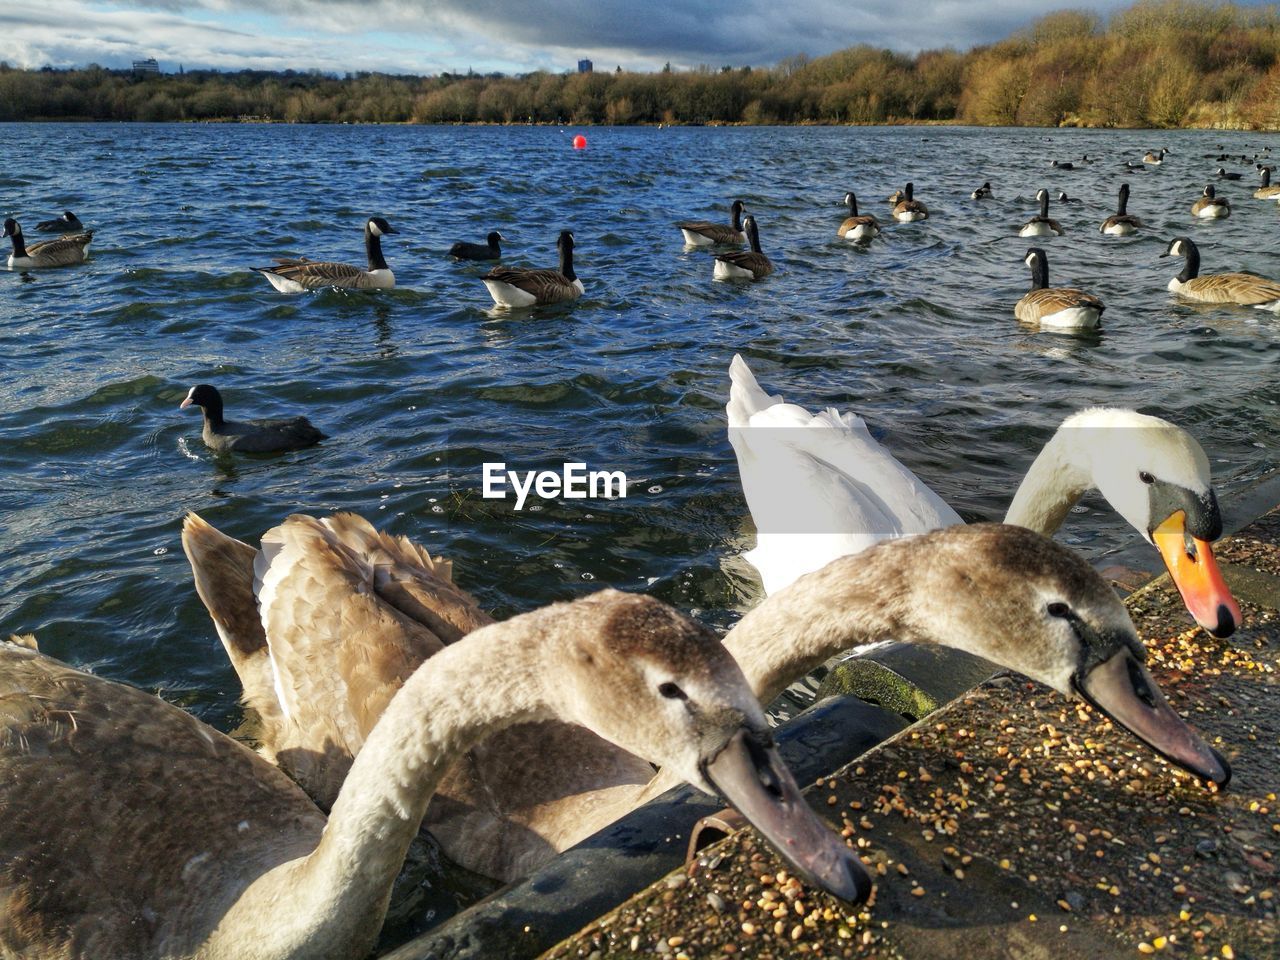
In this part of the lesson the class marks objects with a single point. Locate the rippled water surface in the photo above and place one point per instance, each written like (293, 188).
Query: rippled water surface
(420, 385)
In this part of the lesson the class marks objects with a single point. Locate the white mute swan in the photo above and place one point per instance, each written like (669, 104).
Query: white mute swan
(170, 840)
(820, 487)
(535, 789)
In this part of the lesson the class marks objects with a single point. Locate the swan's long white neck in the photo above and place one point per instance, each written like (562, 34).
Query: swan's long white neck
(332, 902)
(1051, 487)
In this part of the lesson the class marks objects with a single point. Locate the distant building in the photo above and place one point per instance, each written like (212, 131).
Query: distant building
(584, 66)
(146, 66)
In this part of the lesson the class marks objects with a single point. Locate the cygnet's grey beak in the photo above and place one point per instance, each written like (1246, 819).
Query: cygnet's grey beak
(751, 776)
(1122, 688)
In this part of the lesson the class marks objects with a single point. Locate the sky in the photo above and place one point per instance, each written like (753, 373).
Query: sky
(511, 36)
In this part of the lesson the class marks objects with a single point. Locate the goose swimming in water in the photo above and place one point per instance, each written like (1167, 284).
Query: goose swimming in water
(1243, 289)
(502, 813)
(528, 287)
(907, 208)
(1210, 205)
(1121, 223)
(857, 228)
(1267, 191)
(1153, 158)
(299, 274)
(490, 250)
(984, 192)
(65, 251)
(274, 435)
(1041, 225)
(174, 841)
(67, 223)
(1224, 175)
(744, 264)
(849, 492)
(1062, 308)
(1062, 165)
(703, 233)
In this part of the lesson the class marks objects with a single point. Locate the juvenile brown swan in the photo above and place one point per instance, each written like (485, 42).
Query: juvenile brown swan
(171, 840)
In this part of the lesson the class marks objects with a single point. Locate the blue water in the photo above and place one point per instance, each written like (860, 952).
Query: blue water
(420, 385)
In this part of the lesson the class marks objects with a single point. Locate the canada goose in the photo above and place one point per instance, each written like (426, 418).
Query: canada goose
(1063, 198)
(1041, 225)
(527, 287)
(1245, 289)
(1153, 158)
(703, 233)
(67, 223)
(247, 436)
(297, 275)
(62, 252)
(847, 492)
(984, 192)
(175, 841)
(1133, 167)
(1210, 205)
(1062, 165)
(479, 251)
(744, 264)
(1121, 223)
(1267, 191)
(1224, 175)
(908, 209)
(1063, 308)
(855, 227)
(502, 815)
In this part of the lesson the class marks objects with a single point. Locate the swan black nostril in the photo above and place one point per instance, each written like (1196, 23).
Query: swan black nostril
(1141, 689)
(1226, 622)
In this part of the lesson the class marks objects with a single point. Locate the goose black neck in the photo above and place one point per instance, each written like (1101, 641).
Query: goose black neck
(753, 237)
(1190, 269)
(493, 241)
(566, 261)
(910, 191)
(1123, 206)
(1266, 177)
(373, 249)
(737, 217)
(1039, 273)
(853, 204)
(1044, 206)
(19, 245)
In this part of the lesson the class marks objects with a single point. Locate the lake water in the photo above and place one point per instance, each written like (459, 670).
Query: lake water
(419, 386)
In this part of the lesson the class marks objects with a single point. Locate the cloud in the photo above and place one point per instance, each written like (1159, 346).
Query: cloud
(432, 35)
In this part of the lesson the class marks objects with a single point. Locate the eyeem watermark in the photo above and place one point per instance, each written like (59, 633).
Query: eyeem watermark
(573, 482)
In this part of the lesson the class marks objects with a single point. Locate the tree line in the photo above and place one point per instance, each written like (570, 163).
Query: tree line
(1159, 63)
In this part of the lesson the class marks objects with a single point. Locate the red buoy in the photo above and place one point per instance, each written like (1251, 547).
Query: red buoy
(579, 142)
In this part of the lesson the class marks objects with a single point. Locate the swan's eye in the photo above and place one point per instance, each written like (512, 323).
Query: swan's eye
(1058, 609)
(1146, 477)
(671, 691)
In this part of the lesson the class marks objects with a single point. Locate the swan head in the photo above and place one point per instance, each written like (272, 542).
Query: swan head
(664, 687)
(1020, 600)
(1156, 476)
